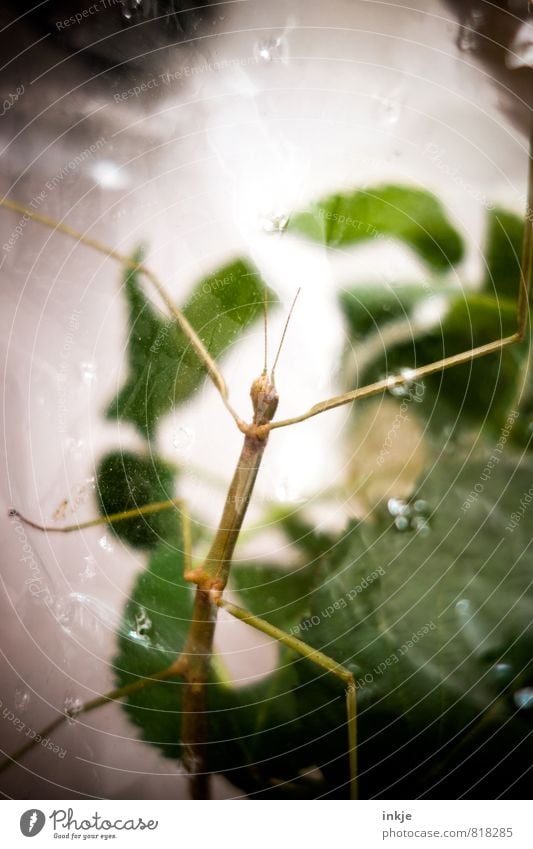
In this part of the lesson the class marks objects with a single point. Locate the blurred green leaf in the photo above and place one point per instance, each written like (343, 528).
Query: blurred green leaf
(275, 593)
(475, 393)
(126, 481)
(502, 254)
(435, 622)
(413, 216)
(163, 369)
(367, 308)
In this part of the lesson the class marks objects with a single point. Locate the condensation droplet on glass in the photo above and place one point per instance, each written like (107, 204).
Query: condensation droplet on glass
(275, 222)
(22, 700)
(268, 49)
(143, 623)
(129, 7)
(390, 109)
(89, 570)
(88, 372)
(72, 708)
(401, 523)
(106, 544)
(503, 671)
(523, 698)
(398, 507)
(530, 427)
(463, 606)
(421, 525)
(183, 439)
(421, 506)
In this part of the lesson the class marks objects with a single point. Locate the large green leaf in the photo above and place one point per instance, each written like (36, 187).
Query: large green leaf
(413, 216)
(163, 368)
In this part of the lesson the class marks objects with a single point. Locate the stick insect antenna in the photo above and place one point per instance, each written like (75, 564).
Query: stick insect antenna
(284, 334)
(265, 316)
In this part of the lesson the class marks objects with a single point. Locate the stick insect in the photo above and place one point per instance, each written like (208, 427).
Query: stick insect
(210, 578)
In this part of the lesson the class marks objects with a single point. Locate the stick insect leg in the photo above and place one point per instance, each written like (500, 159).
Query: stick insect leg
(321, 660)
(177, 668)
(201, 351)
(524, 295)
(110, 519)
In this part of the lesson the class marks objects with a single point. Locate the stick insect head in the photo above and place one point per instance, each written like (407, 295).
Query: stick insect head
(264, 394)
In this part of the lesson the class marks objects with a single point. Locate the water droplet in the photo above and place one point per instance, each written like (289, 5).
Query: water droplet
(22, 700)
(390, 110)
(129, 7)
(404, 385)
(401, 523)
(530, 427)
(523, 698)
(463, 606)
(143, 623)
(398, 507)
(503, 672)
(421, 525)
(90, 568)
(269, 49)
(275, 222)
(72, 708)
(183, 439)
(106, 544)
(88, 372)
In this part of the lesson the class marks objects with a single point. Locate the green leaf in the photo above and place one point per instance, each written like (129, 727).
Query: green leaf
(126, 481)
(275, 593)
(367, 308)
(478, 392)
(502, 254)
(435, 622)
(163, 368)
(412, 216)
(255, 731)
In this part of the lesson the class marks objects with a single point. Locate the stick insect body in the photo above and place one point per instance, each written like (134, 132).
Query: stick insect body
(211, 577)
